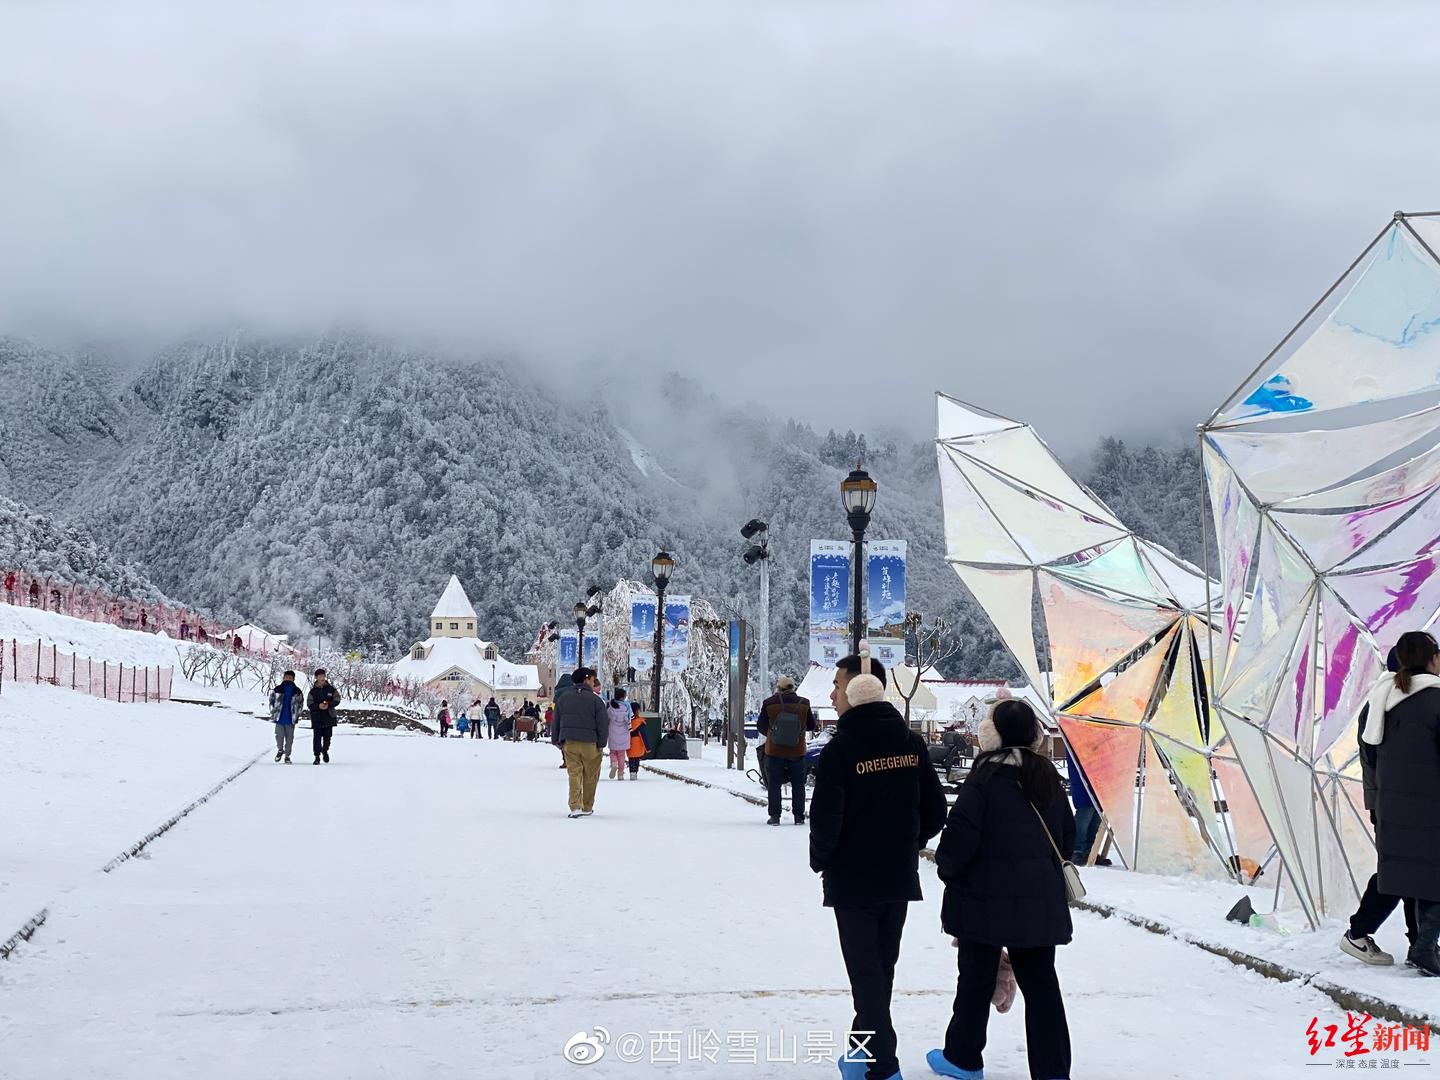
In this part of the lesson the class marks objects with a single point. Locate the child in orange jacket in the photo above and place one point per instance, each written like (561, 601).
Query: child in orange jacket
(638, 748)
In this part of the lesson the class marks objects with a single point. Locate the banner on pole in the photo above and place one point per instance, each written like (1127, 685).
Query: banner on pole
(677, 633)
(642, 633)
(569, 650)
(885, 600)
(593, 648)
(829, 600)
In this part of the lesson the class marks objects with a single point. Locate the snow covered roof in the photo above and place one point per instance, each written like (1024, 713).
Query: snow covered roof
(454, 604)
(444, 654)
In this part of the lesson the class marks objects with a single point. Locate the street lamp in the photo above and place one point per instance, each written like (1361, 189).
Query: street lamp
(580, 610)
(857, 494)
(587, 609)
(318, 619)
(662, 566)
(760, 552)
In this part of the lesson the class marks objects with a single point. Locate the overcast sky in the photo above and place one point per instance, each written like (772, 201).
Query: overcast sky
(1096, 217)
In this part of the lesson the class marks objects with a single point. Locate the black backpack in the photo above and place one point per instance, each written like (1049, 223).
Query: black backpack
(787, 727)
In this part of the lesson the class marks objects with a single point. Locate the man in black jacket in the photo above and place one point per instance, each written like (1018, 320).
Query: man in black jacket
(582, 727)
(784, 719)
(322, 702)
(877, 802)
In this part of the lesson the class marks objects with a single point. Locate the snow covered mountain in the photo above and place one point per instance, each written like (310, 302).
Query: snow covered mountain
(275, 478)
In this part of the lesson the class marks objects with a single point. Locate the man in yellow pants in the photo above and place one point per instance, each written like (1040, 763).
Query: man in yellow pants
(582, 726)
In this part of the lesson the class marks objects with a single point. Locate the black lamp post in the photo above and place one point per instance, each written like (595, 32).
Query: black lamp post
(857, 493)
(662, 566)
(318, 618)
(580, 610)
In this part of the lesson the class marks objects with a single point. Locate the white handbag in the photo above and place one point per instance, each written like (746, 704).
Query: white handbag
(1074, 887)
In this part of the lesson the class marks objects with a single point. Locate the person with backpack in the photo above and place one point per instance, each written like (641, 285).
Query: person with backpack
(324, 700)
(492, 716)
(444, 718)
(877, 802)
(784, 719)
(619, 739)
(1000, 859)
(285, 703)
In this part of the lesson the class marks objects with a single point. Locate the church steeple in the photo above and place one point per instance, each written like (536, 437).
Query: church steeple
(454, 616)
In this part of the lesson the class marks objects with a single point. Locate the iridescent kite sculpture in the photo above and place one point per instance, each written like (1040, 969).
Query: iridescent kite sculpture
(1112, 631)
(1323, 469)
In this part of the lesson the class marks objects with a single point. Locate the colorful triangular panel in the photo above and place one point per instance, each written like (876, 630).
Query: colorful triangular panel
(1127, 696)
(1177, 714)
(1394, 599)
(1089, 633)
(1110, 756)
(1168, 841)
(1008, 598)
(972, 532)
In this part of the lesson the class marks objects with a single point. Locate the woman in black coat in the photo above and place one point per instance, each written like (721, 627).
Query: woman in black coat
(1407, 788)
(1004, 889)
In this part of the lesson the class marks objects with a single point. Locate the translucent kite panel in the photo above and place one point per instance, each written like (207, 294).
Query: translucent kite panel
(1109, 754)
(955, 419)
(1413, 477)
(1191, 771)
(1276, 791)
(1418, 534)
(1237, 529)
(1330, 539)
(1126, 697)
(1177, 714)
(1249, 834)
(1044, 527)
(1168, 840)
(1116, 568)
(972, 532)
(1089, 634)
(1378, 343)
(1352, 665)
(1281, 583)
(1292, 715)
(1177, 579)
(1391, 600)
(1008, 598)
(1276, 465)
(1253, 688)
(1344, 847)
(1024, 459)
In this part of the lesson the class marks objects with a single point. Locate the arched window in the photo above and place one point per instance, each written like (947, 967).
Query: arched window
(491, 653)
(419, 653)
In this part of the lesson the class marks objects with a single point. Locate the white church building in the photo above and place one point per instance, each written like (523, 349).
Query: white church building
(458, 663)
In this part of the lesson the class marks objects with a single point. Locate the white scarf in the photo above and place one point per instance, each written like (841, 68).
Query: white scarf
(1385, 696)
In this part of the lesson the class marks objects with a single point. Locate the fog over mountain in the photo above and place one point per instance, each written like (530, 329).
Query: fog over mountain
(262, 477)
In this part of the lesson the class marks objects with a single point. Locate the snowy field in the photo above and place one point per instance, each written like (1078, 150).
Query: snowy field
(425, 907)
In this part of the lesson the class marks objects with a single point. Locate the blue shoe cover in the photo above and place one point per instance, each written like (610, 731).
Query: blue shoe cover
(940, 1064)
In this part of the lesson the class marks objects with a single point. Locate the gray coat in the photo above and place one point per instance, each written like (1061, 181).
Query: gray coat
(580, 716)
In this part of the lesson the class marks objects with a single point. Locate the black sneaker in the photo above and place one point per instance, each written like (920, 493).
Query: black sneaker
(317, 761)
(326, 756)
(800, 820)
(287, 759)
(773, 821)
(1427, 961)
(278, 755)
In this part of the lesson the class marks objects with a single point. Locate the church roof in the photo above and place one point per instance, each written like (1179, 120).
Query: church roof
(454, 604)
(468, 655)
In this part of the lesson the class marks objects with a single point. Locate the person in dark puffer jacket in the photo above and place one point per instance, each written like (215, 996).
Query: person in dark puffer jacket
(1004, 889)
(877, 802)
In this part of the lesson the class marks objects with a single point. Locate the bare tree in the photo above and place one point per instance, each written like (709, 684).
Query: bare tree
(927, 646)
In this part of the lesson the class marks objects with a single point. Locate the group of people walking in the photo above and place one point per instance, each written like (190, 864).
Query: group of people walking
(487, 718)
(286, 702)
(1400, 770)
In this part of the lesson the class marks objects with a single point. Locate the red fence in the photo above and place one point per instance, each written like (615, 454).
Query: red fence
(23, 589)
(36, 662)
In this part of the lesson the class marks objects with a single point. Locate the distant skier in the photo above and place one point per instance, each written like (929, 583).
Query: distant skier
(492, 716)
(619, 740)
(324, 700)
(285, 702)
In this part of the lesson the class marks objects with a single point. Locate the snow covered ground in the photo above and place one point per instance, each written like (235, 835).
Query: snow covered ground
(425, 907)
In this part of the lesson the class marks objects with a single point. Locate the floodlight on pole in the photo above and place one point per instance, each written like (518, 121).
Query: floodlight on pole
(759, 552)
